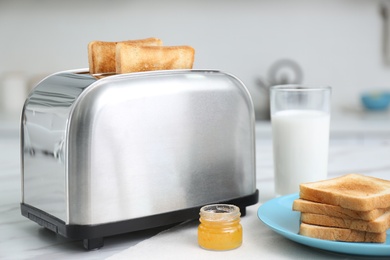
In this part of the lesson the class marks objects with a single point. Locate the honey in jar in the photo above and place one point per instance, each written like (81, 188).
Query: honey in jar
(220, 227)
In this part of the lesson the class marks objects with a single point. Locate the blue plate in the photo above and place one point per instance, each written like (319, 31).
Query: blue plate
(279, 216)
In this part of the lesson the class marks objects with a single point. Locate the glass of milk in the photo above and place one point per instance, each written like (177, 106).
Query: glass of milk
(300, 119)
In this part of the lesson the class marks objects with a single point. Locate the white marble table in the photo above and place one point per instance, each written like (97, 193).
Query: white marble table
(20, 238)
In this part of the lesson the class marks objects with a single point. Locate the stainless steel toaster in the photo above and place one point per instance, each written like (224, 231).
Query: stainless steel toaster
(107, 155)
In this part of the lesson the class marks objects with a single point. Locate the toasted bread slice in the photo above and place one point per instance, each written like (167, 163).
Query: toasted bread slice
(101, 55)
(381, 224)
(341, 234)
(351, 191)
(336, 211)
(136, 58)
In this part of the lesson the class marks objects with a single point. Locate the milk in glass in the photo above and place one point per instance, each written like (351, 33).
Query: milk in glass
(301, 141)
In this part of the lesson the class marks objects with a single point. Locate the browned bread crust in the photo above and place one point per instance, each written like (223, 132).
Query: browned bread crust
(351, 191)
(101, 55)
(341, 234)
(136, 58)
(379, 225)
(336, 211)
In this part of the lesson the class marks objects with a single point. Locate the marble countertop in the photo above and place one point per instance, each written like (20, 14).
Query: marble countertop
(21, 238)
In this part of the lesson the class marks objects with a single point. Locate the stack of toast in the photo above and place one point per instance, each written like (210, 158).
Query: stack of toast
(136, 56)
(350, 208)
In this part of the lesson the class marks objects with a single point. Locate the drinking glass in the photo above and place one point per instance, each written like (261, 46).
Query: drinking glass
(300, 117)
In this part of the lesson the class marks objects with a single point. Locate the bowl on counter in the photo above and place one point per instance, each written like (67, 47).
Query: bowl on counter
(376, 100)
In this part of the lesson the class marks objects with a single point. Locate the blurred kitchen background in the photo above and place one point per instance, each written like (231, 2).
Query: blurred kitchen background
(341, 43)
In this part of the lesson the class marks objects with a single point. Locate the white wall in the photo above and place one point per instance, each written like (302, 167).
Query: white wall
(336, 42)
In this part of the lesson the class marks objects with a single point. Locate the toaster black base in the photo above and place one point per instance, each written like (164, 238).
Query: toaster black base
(93, 235)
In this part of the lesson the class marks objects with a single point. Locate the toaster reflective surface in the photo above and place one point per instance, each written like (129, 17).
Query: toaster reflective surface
(43, 136)
(133, 145)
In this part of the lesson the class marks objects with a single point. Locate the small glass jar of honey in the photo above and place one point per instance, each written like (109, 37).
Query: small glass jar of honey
(220, 227)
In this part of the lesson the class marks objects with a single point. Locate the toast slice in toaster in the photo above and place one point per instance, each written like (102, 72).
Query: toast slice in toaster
(136, 58)
(101, 55)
